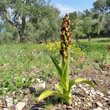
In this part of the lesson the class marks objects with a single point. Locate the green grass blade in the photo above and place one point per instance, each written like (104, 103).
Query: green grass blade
(79, 80)
(57, 67)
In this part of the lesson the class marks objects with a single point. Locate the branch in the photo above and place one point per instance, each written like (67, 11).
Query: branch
(8, 18)
(19, 18)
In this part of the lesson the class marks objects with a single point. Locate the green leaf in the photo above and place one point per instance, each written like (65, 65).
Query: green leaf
(48, 93)
(59, 87)
(65, 74)
(57, 67)
(59, 71)
(79, 80)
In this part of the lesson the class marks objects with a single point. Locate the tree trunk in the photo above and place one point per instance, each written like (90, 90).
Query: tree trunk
(22, 38)
(45, 37)
(76, 37)
(89, 38)
(20, 25)
(21, 33)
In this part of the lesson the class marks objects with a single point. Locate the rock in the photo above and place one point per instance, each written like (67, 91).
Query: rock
(106, 108)
(12, 108)
(42, 85)
(9, 101)
(80, 85)
(87, 92)
(25, 99)
(98, 108)
(20, 105)
(98, 92)
(26, 91)
(79, 103)
(99, 104)
(84, 88)
(74, 86)
(69, 108)
(35, 87)
(105, 98)
(103, 72)
(101, 94)
(59, 105)
(38, 80)
(92, 95)
(108, 92)
(64, 106)
(2, 103)
(38, 108)
(109, 97)
(5, 109)
(89, 104)
(76, 103)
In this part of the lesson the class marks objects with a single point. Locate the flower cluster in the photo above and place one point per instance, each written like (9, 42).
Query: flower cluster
(65, 36)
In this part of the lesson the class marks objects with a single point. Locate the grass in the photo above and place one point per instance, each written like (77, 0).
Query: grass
(21, 64)
(97, 51)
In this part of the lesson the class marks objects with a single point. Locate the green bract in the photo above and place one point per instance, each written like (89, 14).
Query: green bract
(64, 87)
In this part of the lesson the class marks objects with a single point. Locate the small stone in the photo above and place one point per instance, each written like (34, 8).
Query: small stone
(92, 95)
(79, 99)
(20, 105)
(106, 108)
(92, 90)
(76, 103)
(42, 84)
(87, 92)
(69, 108)
(9, 102)
(80, 85)
(79, 103)
(101, 94)
(12, 108)
(73, 96)
(25, 99)
(15, 101)
(106, 98)
(2, 103)
(99, 104)
(59, 105)
(5, 109)
(103, 72)
(35, 87)
(26, 91)
(74, 86)
(109, 97)
(108, 92)
(84, 88)
(98, 108)
(89, 104)
(64, 107)
(38, 108)
(91, 99)
(38, 80)
(98, 92)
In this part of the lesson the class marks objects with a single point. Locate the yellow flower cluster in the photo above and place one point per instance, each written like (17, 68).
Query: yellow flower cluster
(54, 48)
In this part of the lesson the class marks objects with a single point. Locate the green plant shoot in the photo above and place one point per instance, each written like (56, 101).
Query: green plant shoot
(64, 87)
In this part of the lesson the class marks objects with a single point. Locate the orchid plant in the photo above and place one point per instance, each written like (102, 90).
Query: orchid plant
(64, 87)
